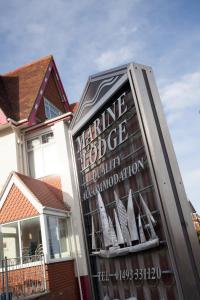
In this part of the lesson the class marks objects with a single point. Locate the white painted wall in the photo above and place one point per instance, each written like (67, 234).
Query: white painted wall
(70, 194)
(8, 154)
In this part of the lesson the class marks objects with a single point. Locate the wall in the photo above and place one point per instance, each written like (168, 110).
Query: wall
(8, 154)
(70, 196)
(61, 281)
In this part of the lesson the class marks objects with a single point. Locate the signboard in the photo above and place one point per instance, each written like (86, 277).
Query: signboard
(128, 237)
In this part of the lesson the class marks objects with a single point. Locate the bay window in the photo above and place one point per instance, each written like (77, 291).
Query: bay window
(58, 237)
(22, 240)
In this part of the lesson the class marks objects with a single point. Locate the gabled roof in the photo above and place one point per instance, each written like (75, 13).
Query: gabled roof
(22, 91)
(45, 193)
(19, 88)
(42, 194)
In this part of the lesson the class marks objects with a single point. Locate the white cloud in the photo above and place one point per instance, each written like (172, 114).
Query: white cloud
(112, 58)
(181, 95)
(192, 182)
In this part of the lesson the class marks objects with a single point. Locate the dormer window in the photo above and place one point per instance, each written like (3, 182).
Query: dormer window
(51, 111)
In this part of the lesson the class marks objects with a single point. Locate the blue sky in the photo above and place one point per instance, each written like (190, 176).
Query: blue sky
(89, 36)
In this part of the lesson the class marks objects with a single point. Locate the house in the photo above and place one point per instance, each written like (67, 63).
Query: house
(39, 215)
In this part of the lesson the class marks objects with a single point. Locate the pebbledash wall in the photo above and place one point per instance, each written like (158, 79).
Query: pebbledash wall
(139, 237)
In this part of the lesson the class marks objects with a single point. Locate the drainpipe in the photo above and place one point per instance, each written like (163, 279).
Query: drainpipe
(76, 258)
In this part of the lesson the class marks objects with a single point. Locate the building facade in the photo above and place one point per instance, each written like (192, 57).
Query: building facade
(36, 180)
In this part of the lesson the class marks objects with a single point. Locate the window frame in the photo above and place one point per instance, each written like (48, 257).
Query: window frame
(41, 146)
(53, 110)
(18, 222)
(45, 238)
(60, 258)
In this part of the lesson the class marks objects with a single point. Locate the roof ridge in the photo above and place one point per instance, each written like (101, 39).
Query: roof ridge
(27, 65)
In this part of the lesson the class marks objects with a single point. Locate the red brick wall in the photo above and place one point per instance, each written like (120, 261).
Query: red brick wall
(16, 207)
(52, 94)
(62, 281)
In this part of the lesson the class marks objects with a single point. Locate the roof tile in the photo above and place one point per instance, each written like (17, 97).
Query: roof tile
(19, 88)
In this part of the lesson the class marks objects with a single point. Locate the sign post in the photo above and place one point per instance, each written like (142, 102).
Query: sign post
(138, 230)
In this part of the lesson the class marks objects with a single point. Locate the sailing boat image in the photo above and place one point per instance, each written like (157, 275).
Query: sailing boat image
(127, 236)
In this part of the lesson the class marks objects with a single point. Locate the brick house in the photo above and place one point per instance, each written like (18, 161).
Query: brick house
(38, 211)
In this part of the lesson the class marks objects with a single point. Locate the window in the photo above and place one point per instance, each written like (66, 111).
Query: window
(51, 111)
(10, 240)
(42, 155)
(31, 241)
(21, 238)
(58, 237)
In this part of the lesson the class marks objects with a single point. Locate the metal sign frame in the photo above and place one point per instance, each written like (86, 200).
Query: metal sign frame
(173, 205)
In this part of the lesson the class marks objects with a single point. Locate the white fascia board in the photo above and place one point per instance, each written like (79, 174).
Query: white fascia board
(56, 212)
(25, 191)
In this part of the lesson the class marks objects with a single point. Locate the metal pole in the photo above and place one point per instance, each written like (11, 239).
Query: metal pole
(6, 271)
(2, 264)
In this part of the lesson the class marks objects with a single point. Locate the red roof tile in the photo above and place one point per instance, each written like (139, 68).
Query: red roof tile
(47, 194)
(74, 107)
(16, 207)
(19, 88)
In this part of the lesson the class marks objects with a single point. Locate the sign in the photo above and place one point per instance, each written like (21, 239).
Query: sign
(127, 230)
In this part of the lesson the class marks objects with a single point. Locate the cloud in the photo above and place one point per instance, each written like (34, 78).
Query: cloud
(192, 181)
(181, 100)
(111, 58)
(181, 96)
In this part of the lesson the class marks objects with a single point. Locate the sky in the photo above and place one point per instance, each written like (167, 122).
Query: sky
(89, 36)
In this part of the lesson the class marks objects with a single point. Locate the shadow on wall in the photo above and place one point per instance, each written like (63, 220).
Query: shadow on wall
(11, 93)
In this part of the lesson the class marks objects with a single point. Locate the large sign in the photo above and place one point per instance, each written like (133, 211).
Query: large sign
(128, 234)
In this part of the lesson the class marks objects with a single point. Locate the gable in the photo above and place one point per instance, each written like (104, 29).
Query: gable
(16, 206)
(52, 94)
(22, 88)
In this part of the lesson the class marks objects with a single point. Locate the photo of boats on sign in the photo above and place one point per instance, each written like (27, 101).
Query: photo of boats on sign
(126, 233)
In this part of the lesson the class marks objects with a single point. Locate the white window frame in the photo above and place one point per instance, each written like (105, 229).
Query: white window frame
(38, 135)
(18, 222)
(47, 239)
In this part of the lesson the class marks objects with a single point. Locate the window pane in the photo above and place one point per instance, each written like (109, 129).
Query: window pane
(10, 241)
(53, 237)
(36, 163)
(31, 237)
(63, 238)
(50, 159)
(42, 158)
(47, 138)
(33, 143)
(51, 110)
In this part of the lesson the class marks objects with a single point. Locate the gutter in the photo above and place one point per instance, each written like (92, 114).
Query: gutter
(67, 116)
